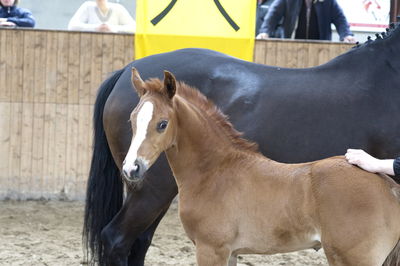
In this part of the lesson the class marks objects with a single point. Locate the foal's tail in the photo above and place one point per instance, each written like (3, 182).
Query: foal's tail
(104, 193)
(394, 257)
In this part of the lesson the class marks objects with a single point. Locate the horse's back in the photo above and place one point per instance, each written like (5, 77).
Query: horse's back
(346, 188)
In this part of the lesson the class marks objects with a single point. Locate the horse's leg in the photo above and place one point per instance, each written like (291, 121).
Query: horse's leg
(207, 255)
(232, 260)
(142, 210)
(368, 247)
(142, 243)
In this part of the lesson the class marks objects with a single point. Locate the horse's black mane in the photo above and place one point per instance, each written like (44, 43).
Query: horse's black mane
(380, 36)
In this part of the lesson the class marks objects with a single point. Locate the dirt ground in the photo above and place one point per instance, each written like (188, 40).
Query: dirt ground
(49, 233)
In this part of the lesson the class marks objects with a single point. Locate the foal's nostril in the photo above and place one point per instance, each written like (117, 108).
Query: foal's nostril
(137, 168)
(132, 174)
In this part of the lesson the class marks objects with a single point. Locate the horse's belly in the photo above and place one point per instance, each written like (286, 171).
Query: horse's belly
(272, 245)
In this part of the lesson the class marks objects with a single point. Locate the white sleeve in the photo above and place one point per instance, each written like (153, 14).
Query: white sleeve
(126, 22)
(80, 19)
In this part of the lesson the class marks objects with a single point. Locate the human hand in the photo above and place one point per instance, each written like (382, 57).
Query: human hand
(349, 39)
(104, 28)
(7, 24)
(262, 36)
(369, 163)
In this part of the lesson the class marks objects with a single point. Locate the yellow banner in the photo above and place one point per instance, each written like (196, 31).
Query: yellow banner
(222, 25)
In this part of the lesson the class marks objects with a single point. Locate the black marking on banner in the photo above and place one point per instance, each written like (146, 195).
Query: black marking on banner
(163, 13)
(226, 16)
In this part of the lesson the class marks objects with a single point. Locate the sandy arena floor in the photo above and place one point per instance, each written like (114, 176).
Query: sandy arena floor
(49, 233)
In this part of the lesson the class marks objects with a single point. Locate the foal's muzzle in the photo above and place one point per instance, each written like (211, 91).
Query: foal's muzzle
(135, 174)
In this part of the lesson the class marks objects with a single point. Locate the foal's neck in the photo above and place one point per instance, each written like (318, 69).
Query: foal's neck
(203, 147)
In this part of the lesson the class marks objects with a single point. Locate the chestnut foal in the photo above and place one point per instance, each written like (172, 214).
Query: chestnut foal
(233, 200)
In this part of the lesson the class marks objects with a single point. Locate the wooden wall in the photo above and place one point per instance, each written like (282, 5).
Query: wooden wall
(48, 83)
(297, 54)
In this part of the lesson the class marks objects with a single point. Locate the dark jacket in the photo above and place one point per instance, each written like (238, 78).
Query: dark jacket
(396, 167)
(327, 11)
(261, 14)
(20, 16)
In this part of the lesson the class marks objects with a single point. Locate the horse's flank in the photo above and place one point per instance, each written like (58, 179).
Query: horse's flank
(233, 200)
(293, 114)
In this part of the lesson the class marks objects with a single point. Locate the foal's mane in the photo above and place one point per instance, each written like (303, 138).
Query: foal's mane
(196, 98)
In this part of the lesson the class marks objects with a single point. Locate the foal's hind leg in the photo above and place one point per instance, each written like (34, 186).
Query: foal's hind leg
(364, 258)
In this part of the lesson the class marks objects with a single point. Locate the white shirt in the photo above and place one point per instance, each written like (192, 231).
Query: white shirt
(88, 17)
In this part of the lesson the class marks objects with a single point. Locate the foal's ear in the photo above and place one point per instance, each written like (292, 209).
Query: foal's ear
(138, 83)
(169, 84)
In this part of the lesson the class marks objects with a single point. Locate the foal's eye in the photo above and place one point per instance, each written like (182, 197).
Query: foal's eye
(162, 126)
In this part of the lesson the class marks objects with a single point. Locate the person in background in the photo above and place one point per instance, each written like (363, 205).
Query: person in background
(372, 164)
(262, 10)
(306, 19)
(13, 16)
(102, 16)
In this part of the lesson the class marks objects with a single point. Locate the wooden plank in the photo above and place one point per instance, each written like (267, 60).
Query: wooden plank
(62, 68)
(74, 67)
(36, 183)
(5, 91)
(84, 133)
(312, 54)
(118, 58)
(270, 54)
(49, 151)
(85, 68)
(15, 146)
(323, 54)
(29, 66)
(292, 55)
(281, 54)
(72, 149)
(40, 46)
(129, 48)
(18, 80)
(259, 52)
(60, 147)
(8, 62)
(51, 67)
(108, 52)
(302, 55)
(5, 135)
(26, 147)
(96, 67)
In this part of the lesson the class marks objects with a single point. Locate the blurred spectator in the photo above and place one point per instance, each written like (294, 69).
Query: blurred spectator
(262, 10)
(13, 16)
(102, 16)
(306, 19)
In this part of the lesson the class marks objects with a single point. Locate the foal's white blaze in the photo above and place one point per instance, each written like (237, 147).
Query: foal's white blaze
(143, 119)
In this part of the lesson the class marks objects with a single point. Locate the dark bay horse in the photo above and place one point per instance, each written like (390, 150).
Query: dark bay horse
(295, 115)
(233, 200)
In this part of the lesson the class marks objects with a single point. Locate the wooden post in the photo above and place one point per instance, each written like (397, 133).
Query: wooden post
(394, 10)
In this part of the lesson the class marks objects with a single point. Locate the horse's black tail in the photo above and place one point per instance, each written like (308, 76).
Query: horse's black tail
(394, 257)
(104, 193)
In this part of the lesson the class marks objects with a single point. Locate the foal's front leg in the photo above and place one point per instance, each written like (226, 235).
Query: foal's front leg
(208, 255)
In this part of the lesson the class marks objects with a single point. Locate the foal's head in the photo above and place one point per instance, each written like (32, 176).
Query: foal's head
(153, 122)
